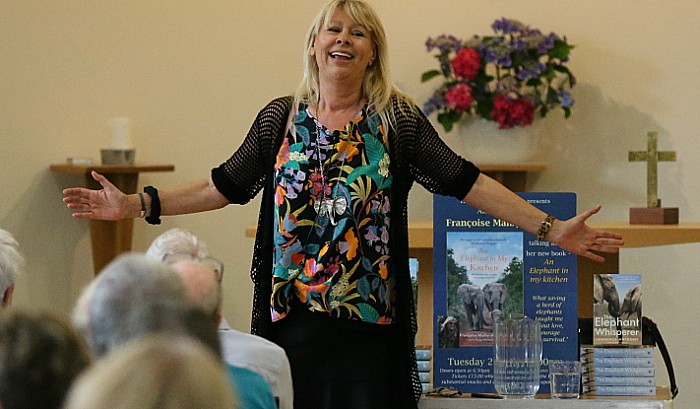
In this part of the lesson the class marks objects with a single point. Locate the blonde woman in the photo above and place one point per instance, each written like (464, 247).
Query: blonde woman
(155, 373)
(335, 164)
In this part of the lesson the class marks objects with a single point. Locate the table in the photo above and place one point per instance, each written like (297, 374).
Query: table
(662, 400)
(110, 238)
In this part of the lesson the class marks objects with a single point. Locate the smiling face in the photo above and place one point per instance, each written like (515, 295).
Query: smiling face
(343, 49)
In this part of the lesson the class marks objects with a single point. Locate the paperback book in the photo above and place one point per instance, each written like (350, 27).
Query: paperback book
(619, 371)
(618, 380)
(588, 351)
(483, 265)
(617, 309)
(622, 390)
(423, 357)
(597, 362)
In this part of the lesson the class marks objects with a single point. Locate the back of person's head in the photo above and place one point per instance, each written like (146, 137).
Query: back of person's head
(203, 288)
(155, 373)
(189, 256)
(128, 299)
(40, 356)
(176, 241)
(11, 263)
(179, 245)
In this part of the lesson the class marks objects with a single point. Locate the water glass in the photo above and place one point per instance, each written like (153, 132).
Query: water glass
(565, 379)
(517, 356)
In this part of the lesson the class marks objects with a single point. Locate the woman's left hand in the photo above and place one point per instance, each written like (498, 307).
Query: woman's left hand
(575, 236)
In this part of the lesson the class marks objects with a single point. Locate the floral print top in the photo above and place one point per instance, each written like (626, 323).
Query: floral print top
(332, 217)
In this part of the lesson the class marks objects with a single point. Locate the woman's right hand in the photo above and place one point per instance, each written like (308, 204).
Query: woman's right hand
(108, 203)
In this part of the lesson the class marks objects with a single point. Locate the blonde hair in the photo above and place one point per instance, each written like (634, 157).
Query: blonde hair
(377, 86)
(155, 373)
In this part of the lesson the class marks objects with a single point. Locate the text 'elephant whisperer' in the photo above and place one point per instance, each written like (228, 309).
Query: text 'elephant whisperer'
(472, 297)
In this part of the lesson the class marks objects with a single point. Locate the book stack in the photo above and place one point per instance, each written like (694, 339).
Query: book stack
(618, 371)
(423, 357)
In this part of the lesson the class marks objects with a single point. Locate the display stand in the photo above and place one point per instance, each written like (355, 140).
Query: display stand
(420, 236)
(111, 238)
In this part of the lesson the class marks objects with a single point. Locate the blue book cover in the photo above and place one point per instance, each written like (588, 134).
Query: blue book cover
(621, 390)
(625, 371)
(482, 264)
(598, 362)
(597, 380)
(621, 352)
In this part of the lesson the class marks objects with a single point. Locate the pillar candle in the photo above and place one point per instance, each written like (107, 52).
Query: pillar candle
(120, 129)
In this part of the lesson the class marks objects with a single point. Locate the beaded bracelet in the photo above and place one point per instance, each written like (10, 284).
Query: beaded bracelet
(545, 227)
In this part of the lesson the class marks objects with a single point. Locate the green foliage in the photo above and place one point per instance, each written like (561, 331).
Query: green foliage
(513, 280)
(456, 276)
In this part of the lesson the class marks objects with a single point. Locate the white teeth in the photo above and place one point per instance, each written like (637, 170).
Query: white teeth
(342, 55)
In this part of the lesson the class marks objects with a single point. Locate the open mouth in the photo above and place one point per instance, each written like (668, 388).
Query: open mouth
(340, 55)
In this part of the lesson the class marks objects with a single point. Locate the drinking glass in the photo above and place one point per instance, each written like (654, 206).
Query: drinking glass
(565, 379)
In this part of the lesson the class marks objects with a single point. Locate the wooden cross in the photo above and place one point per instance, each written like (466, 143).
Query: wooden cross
(652, 156)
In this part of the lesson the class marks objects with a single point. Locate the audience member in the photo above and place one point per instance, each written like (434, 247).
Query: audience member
(40, 356)
(115, 306)
(136, 296)
(182, 249)
(11, 263)
(155, 373)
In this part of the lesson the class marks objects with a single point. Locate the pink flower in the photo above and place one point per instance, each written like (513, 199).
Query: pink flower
(459, 97)
(510, 112)
(466, 63)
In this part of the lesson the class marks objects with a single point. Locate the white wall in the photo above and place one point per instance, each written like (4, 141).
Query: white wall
(192, 75)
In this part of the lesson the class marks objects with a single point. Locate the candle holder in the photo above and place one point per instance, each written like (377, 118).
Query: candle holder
(118, 157)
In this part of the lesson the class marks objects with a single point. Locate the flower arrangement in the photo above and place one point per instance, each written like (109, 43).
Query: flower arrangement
(508, 78)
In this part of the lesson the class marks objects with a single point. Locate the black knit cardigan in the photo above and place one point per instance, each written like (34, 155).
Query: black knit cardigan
(417, 154)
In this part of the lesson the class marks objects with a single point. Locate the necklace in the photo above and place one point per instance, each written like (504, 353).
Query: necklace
(332, 205)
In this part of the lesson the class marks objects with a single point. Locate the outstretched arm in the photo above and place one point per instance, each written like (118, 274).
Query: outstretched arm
(572, 235)
(110, 203)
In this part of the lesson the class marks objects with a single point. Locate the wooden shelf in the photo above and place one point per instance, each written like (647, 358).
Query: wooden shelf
(512, 176)
(420, 233)
(110, 169)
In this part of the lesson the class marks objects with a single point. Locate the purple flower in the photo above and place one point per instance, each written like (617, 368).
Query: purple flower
(546, 44)
(566, 100)
(529, 69)
(506, 26)
(444, 43)
(434, 103)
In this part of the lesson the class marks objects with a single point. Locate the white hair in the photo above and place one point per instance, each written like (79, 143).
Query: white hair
(176, 241)
(11, 261)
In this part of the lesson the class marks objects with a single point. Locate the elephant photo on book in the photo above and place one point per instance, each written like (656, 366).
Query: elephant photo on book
(472, 298)
(632, 304)
(605, 295)
(494, 296)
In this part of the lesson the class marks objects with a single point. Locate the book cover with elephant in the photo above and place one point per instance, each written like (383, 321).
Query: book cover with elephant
(483, 266)
(617, 309)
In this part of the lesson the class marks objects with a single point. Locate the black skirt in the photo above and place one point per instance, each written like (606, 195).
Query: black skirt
(341, 363)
